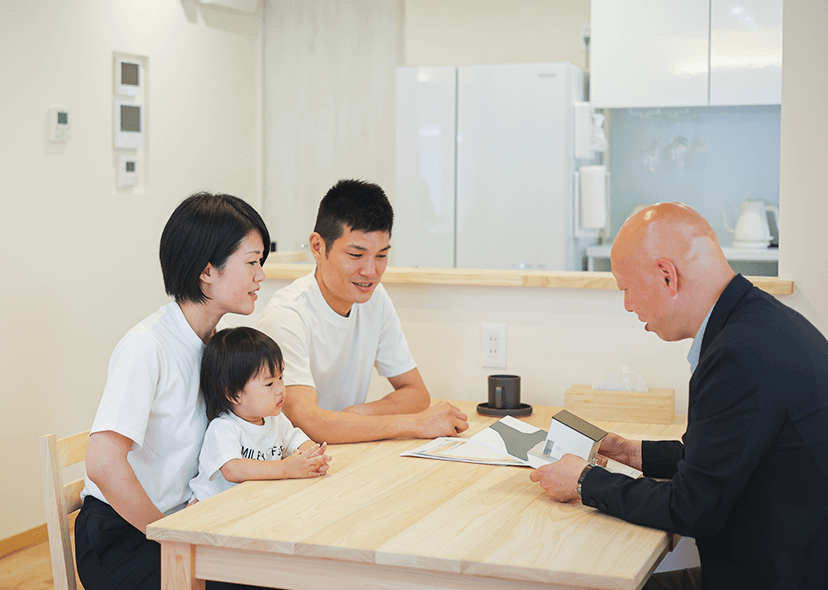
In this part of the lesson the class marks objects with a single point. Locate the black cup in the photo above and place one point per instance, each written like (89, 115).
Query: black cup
(504, 392)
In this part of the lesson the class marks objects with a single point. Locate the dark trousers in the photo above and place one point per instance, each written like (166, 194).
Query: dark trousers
(112, 554)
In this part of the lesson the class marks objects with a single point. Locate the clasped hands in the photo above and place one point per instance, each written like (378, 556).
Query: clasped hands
(309, 462)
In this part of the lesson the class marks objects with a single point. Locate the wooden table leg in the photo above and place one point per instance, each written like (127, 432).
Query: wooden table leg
(178, 567)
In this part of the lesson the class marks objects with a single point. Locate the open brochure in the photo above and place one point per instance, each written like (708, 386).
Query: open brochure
(506, 442)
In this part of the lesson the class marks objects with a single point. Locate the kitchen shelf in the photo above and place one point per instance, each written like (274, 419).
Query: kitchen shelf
(502, 278)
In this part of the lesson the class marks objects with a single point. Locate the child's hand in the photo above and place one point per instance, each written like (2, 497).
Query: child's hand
(312, 462)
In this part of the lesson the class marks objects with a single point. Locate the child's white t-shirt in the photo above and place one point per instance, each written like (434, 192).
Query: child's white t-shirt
(152, 398)
(229, 437)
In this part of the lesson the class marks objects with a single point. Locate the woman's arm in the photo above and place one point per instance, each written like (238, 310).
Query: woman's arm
(107, 466)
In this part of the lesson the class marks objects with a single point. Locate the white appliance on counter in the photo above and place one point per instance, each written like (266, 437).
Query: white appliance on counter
(485, 165)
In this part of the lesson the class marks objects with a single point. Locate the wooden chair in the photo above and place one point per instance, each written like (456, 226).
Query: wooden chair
(62, 501)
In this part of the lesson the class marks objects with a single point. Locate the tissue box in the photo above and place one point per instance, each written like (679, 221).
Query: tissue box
(655, 406)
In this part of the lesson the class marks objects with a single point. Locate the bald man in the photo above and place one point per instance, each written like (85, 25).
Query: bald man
(750, 480)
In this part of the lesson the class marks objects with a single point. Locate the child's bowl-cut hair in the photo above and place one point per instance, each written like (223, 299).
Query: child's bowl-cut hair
(232, 358)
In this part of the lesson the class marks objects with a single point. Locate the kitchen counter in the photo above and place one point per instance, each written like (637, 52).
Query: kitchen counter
(503, 278)
(732, 254)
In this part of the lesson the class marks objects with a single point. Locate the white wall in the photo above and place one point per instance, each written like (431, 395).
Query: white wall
(329, 104)
(80, 260)
(463, 32)
(803, 194)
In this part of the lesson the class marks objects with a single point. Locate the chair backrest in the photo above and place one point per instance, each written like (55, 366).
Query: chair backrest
(61, 501)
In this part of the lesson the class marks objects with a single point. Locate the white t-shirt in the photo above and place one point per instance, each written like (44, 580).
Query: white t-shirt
(331, 353)
(152, 397)
(229, 437)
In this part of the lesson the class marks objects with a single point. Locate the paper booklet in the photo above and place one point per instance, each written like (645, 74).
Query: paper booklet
(506, 442)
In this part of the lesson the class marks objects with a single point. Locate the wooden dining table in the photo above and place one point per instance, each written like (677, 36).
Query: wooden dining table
(381, 521)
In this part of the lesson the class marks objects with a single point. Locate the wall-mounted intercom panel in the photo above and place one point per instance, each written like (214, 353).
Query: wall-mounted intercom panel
(128, 76)
(128, 125)
(129, 121)
(59, 128)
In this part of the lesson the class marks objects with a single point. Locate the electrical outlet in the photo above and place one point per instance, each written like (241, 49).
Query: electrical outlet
(493, 345)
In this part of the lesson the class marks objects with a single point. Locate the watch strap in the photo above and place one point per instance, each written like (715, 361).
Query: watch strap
(581, 477)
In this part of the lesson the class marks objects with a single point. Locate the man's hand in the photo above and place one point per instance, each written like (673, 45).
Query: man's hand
(560, 479)
(622, 450)
(441, 419)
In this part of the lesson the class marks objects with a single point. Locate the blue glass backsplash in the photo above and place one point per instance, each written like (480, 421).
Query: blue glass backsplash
(702, 156)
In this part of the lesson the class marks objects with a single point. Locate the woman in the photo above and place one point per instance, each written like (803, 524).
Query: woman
(147, 433)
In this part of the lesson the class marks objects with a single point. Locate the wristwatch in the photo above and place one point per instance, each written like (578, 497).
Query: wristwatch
(581, 477)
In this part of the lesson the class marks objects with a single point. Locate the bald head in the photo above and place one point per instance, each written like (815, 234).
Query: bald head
(669, 264)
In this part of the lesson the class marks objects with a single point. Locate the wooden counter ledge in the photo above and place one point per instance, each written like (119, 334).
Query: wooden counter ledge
(503, 278)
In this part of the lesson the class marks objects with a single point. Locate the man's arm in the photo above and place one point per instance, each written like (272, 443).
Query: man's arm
(409, 396)
(302, 408)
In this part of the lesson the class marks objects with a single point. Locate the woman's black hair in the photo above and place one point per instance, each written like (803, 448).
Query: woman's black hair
(204, 229)
(231, 358)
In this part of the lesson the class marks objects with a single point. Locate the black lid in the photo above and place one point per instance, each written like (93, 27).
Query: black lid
(582, 426)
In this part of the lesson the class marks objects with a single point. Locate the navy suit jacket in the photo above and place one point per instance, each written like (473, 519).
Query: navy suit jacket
(750, 480)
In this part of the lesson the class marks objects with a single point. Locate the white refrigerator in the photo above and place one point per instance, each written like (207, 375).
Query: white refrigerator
(484, 167)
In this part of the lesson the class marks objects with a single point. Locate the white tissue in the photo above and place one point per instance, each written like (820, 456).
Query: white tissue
(620, 378)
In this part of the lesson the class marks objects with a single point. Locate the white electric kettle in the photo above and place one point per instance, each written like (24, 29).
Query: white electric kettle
(752, 230)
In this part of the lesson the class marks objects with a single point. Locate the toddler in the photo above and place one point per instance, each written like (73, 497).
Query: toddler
(248, 437)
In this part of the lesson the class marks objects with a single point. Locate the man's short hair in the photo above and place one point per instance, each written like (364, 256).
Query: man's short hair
(359, 205)
(204, 229)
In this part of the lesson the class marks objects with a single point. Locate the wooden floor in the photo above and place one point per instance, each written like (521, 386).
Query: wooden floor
(27, 569)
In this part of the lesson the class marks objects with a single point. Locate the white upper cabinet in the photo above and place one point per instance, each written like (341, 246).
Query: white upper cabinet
(646, 53)
(746, 52)
(682, 53)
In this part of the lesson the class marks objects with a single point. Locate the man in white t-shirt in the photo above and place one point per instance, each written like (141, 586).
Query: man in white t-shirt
(338, 323)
